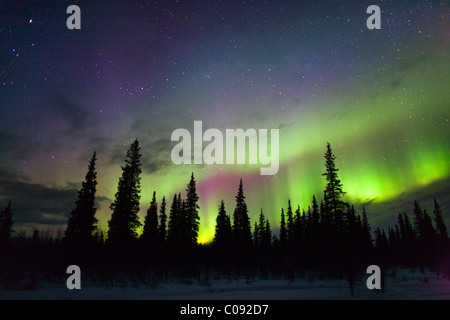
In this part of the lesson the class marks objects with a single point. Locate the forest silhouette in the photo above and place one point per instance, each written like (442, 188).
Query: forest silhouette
(328, 239)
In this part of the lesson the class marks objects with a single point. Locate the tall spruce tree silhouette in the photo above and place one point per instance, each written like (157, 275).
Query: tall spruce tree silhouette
(299, 236)
(429, 231)
(124, 219)
(333, 192)
(366, 234)
(315, 214)
(222, 235)
(258, 232)
(402, 230)
(6, 224)
(242, 235)
(173, 228)
(82, 223)
(150, 234)
(418, 221)
(266, 238)
(162, 228)
(409, 231)
(176, 221)
(283, 231)
(289, 225)
(441, 229)
(191, 208)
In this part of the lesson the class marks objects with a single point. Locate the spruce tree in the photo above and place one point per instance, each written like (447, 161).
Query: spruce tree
(367, 235)
(299, 227)
(283, 233)
(261, 228)
(333, 192)
(82, 223)
(378, 238)
(162, 229)
(441, 229)
(222, 236)
(290, 225)
(315, 215)
(402, 229)
(124, 220)
(228, 236)
(150, 235)
(256, 235)
(303, 224)
(260, 231)
(392, 238)
(173, 232)
(429, 236)
(191, 211)
(418, 221)
(184, 236)
(266, 238)
(6, 224)
(409, 231)
(242, 236)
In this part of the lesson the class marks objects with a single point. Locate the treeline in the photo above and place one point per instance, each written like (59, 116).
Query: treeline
(181, 227)
(326, 227)
(424, 242)
(328, 236)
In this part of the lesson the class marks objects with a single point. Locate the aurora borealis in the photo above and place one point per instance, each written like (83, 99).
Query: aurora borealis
(141, 69)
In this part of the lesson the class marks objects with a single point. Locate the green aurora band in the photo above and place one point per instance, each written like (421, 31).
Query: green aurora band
(389, 131)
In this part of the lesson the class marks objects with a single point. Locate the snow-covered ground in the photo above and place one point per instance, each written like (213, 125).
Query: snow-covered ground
(405, 285)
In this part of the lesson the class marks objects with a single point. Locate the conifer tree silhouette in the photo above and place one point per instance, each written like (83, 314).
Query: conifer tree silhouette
(241, 230)
(82, 223)
(366, 233)
(402, 229)
(191, 211)
(333, 192)
(315, 215)
(262, 233)
(299, 231)
(283, 232)
(418, 221)
(441, 228)
(256, 235)
(124, 220)
(150, 234)
(162, 229)
(429, 236)
(173, 234)
(6, 224)
(290, 229)
(266, 239)
(222, 236)
(409, 231)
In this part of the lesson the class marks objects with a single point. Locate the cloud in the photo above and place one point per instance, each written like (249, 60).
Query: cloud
(55, 124)
(37, 204)
(155, 141)
(13, 148)
(7, 141)
(74, 117)
(157, 155)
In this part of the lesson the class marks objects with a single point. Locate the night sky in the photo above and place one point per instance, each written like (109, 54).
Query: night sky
(141, 69)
